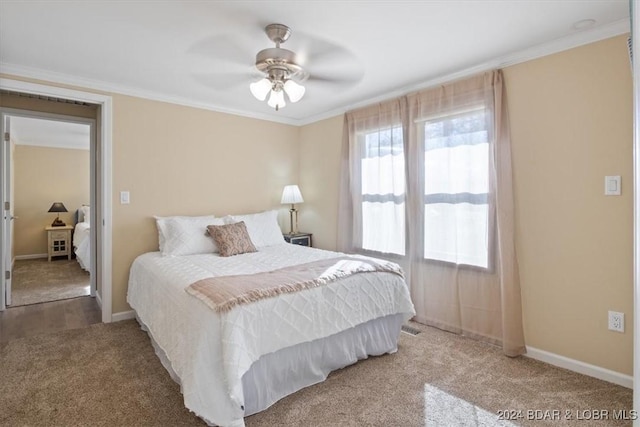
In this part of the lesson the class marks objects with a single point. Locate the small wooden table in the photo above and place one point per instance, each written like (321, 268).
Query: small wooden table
(59, 241)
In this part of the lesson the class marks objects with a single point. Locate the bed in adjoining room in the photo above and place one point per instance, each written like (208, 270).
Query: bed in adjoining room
(241, 332)
(81, 240)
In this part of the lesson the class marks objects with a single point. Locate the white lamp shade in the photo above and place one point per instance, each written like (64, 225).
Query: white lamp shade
(260, 89)
(276, 100)
(291, 195)
(294, 90)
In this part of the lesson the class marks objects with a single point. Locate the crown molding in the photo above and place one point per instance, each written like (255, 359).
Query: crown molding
(21, 71)
(561, 44)
(612, 29)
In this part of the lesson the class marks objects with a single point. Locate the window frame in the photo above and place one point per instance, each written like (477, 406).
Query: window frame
(362, 149)
(419, 188)
(490, 196)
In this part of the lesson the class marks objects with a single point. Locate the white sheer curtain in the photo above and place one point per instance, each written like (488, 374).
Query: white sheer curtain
(439, 202)
(374, 180)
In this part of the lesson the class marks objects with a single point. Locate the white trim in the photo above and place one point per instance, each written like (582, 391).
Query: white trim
(635, 41)
(99, 301)
(123, 315)
(106, 169)
(580, 367)
(32, 256)
(574, 40)
(107, 178)
(67, 79)
(564, 43)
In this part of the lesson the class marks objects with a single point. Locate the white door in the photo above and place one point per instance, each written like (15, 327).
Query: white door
(7, 215)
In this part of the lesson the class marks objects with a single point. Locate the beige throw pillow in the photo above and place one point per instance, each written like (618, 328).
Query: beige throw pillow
(232, 239)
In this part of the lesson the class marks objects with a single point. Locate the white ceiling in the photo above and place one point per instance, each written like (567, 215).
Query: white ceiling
(201, 53)
(49, 133)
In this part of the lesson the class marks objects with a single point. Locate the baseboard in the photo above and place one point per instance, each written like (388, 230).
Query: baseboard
(32, 256)
(123, 315)
(99, 300)
(580, 367)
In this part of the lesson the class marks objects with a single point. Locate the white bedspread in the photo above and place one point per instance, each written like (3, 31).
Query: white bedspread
(210, 352)
(81, 244)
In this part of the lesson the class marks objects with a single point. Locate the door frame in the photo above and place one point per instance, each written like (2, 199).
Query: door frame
(635, 66)
(104, 175)
(13, 112)
(6, 189)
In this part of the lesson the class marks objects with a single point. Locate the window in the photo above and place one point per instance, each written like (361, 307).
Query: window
(456, 188)
(438, 157)
(383, 190)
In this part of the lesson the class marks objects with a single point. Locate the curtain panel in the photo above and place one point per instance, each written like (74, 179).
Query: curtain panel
(427, 182)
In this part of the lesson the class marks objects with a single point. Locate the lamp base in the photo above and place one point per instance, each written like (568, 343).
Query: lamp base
(293, 225)
(58, 223)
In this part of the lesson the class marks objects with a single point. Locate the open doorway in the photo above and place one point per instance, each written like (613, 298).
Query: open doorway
(50, 185)
(101, 215)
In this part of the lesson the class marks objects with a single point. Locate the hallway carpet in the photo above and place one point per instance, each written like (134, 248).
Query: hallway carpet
(37, 280)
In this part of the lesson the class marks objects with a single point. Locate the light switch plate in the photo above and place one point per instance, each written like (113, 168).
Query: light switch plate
(124, 197)
(612, 185)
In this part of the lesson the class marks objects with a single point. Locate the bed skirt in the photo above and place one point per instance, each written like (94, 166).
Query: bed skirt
(281, 373)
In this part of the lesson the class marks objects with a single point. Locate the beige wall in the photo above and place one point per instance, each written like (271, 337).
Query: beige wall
(571, 125)
(42, 176)
(177, 160)
(320, 147)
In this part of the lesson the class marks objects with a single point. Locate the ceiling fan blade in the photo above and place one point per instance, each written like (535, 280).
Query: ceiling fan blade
(337, 76)
(314, 49)
(326, 61)
(225, 48)
(222, 81)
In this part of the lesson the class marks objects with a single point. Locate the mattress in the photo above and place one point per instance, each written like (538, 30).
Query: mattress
(211, 352)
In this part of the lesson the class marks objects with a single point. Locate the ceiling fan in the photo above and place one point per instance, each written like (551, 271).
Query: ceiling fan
(314, 66)
(281, 69)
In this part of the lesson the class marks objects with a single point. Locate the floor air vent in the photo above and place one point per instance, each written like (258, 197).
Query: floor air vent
(409, 330)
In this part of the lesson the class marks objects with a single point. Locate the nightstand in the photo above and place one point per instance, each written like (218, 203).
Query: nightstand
(302, 239)
(59, 241)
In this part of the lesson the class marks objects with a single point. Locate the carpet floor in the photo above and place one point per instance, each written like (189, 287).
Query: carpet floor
(37, 280)
(108, 374)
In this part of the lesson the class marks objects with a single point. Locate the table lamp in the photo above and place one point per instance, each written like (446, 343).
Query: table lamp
(58, 207)
(291, 195)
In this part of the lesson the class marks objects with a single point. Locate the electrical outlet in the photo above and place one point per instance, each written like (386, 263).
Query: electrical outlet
(616, 321)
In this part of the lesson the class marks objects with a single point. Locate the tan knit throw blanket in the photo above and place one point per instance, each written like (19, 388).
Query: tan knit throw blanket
(225, 292)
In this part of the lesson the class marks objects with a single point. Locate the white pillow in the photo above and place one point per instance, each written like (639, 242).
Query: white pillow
(263, 227)
(85, 214)
(186, 235)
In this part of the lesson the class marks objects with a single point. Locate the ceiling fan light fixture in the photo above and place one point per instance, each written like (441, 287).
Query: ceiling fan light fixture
(294, 90)
(260, 89)
(276, 100)
(279, 66)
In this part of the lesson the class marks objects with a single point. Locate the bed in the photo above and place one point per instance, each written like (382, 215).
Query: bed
(81, 240)
(239, 362)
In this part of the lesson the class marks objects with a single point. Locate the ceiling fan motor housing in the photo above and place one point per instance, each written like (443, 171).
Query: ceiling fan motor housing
(278, 59)
(278, 63)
